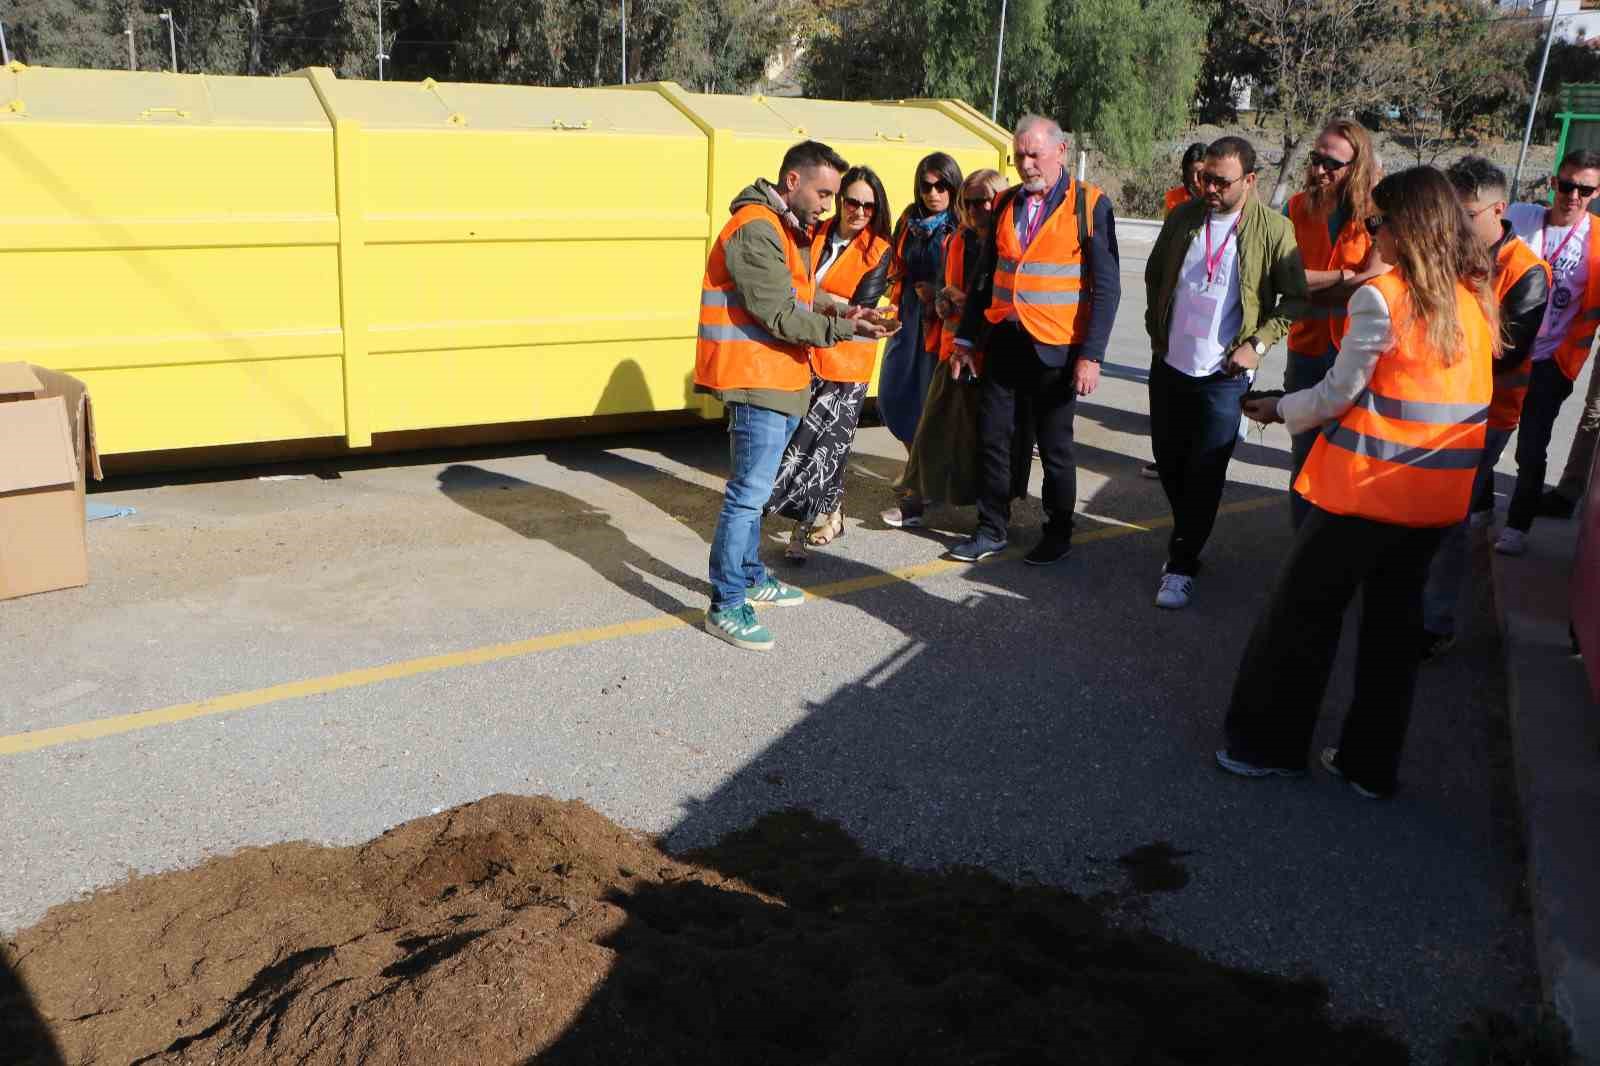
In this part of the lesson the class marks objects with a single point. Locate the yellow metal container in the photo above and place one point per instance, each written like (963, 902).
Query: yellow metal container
(241, 260)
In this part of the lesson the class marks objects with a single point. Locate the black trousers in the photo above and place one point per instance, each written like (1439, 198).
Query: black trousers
(1014, 384)
(1548, 389)
(1278, 694)
(1194, 427)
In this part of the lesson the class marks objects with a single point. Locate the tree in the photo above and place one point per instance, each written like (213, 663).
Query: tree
(1321, 58)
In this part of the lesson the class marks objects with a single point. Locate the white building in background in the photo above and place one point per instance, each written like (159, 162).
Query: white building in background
(1576, 20)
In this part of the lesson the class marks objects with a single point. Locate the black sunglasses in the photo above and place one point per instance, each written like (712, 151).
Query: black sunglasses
(978, 201)
(929, 186)
(1374, 224)
(1569, 187)
(860, 205)
(1218, 182)
(1328, 162)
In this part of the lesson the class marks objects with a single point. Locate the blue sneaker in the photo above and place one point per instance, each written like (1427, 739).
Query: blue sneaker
(1248, 769)
(738, 626)
(979, 547)
(776, 593)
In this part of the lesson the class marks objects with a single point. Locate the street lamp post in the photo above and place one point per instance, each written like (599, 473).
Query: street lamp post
(1533, 105)
(172, 37)
(5, 51)
(999, 53)
(624, 41)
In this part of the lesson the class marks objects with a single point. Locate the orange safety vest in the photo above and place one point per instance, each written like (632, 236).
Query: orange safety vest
(848, 360)
(1512, 263)
(1177, 196)
(1323, 329)
(734, 351)
(955, 271)
(1042, 285)
(1407, 450)
(1574, 349)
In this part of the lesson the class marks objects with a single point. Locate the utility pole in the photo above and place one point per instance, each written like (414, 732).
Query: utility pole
(133, 56)
(5, 52)
(172, 37)
(624, 41)
(381, 54)
(1533, 105)
(999, 53)
(254, 11)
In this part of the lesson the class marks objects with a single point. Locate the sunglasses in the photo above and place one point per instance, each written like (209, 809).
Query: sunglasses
(1218, 182)
(978, 201)
(929, 186)
(1481, 210)
(1374, 224)
(1328, 163)
(851, 202)
(1569, 187)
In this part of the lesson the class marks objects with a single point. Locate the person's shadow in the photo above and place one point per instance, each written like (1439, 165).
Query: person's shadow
(25, 1039)
(573, 525)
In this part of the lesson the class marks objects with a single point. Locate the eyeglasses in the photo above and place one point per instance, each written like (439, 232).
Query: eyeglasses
(1218, 182)
(977, 201)
(1569, 187)
(864, 206)
(929, 186)
(1375, 223)
(1327, 162)
(1481, 210)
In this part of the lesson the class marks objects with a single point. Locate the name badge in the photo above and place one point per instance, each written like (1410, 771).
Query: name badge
(1199, 312)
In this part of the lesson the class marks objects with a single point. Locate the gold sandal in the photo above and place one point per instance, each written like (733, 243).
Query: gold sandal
(796, 550)
(830, 529)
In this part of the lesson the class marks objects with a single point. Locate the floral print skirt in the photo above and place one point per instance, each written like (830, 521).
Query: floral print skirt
(810, 480)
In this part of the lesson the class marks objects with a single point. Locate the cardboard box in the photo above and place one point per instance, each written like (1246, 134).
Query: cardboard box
(47, 451)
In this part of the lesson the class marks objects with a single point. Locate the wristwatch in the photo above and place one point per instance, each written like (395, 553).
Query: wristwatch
(1256, 345)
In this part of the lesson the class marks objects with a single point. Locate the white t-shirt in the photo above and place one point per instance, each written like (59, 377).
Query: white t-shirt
(1206, 315)
(1570, 269)
(831, 254)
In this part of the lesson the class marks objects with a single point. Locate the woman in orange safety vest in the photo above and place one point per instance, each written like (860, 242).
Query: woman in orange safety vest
(1400, 429)
(850, 256)
(1188, 187)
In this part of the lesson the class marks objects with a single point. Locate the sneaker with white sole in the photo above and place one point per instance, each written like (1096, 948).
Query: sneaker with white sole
(738, 626)
(1330, 763)
(1511, 542)
(1175, 592)
(1481, 519)
(1248, 769)
(775, 593)
(1151, 471)
(906, 516)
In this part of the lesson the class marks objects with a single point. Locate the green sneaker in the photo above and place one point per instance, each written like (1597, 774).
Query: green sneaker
(738, 626)
(775, 592)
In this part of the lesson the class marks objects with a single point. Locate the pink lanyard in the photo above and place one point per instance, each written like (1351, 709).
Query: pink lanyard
(1571, 233)
(1213, 262)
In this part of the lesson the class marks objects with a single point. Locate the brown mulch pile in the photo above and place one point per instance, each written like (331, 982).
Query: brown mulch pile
(522, 929)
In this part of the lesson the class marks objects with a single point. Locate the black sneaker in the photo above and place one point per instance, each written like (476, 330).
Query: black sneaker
(1048, 550)
(1436, 644)
(979, 547)
(1554, 505)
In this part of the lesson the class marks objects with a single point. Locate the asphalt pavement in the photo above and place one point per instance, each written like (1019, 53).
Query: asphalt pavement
(369, 641)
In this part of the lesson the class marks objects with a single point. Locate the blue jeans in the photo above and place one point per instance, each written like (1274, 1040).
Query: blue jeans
(1194, 427)
(756, 438)
(1303, 372)
(1447, 574)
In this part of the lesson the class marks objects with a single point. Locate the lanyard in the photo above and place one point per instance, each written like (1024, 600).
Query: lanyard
(1571, 233)
(1212, 262)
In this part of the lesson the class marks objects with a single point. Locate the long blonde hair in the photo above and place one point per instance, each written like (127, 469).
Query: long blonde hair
(991, 181)
(1437, 249)
(1356, 193)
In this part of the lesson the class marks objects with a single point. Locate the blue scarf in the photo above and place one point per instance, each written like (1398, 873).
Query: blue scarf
(927, 225)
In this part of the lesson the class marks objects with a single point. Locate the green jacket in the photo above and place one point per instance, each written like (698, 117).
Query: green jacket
(1272, 280)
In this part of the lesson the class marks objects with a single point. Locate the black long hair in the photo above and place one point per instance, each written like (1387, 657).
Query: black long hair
(944, 165)
(880, 225)
(1195, 153)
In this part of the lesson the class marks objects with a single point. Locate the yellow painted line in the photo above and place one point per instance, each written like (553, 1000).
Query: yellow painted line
(95, 729)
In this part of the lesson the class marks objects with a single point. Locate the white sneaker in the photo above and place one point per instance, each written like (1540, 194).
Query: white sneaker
(1511, 542)
(1175, 591)
(1151, 471)
(1481, 519)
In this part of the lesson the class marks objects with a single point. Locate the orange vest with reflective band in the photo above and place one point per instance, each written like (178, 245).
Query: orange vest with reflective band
(1177, 196)
(1322, 330)
(955, 271)
(1574, 350)
(1407, 450)
(734, 351)
(1042, 286)
(848, 360)
(1512, 262)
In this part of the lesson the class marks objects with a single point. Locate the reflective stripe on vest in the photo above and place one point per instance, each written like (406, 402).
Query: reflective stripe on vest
(1512, 263)
(1042, 285)
(1323, 329)
(1407, 450)
(850, 360)
(732, 349)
